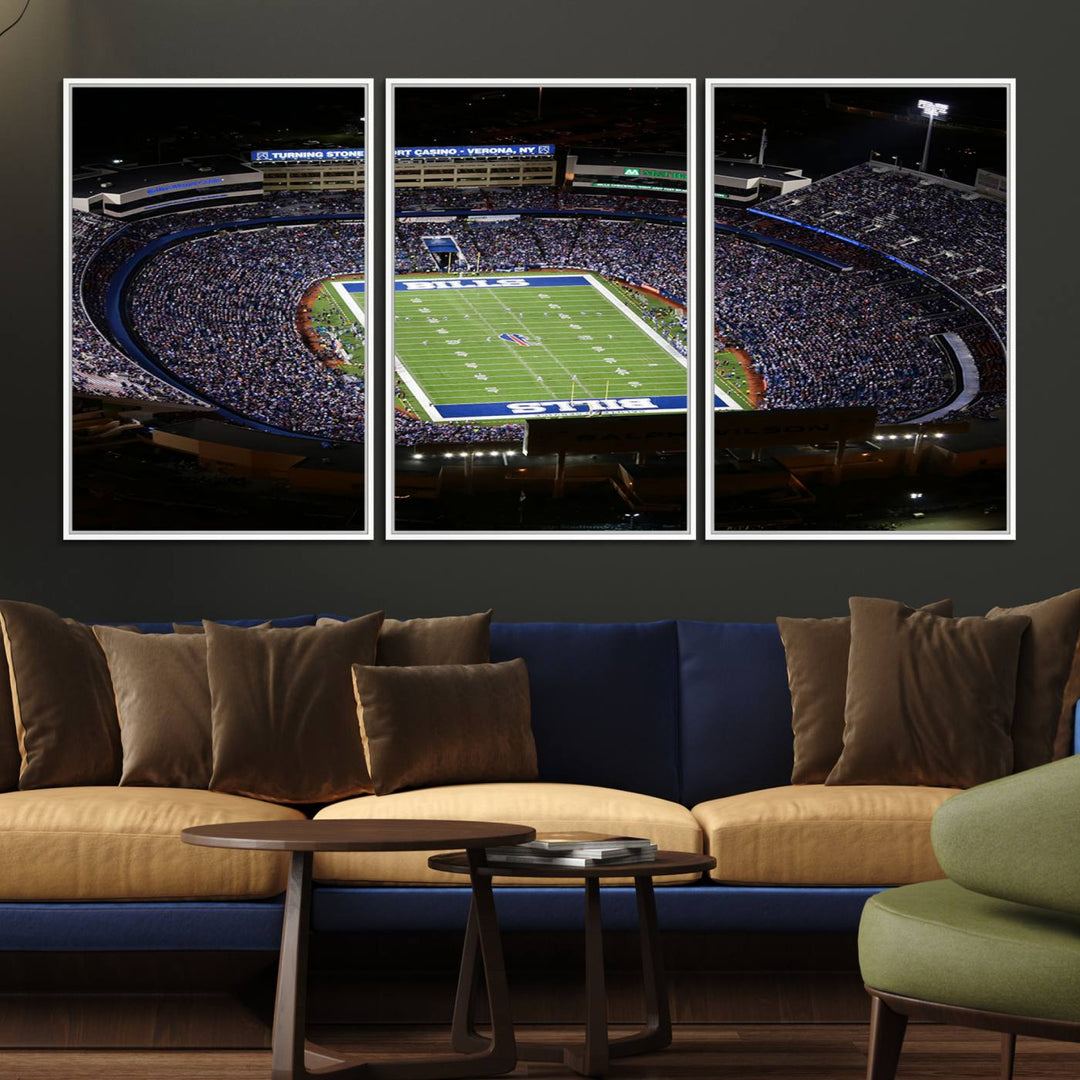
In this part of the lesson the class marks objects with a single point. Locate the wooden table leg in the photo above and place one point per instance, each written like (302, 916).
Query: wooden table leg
(292, 1058)
(501, 1052)
(656, 1034)
(592, 1058)
(290, 1011)
(464, 1037)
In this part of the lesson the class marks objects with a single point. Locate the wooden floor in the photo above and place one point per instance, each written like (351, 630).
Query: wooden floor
(724, 1052)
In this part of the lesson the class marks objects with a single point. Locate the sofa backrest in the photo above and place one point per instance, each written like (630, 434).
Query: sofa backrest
(735, 710)
(605, 701)
(686, 711)
(167, 627)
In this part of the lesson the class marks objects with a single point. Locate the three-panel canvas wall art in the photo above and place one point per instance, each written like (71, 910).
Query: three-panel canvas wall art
(527, 309)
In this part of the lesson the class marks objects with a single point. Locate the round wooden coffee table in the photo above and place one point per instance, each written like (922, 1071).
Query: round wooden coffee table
(291, 1057)
(591, 1058)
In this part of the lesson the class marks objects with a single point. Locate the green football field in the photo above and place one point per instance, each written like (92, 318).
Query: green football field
(496, 348)
(731, 378)
(332, 311)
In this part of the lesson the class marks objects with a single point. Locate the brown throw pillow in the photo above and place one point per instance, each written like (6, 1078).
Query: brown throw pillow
(62, 697)
(445, 724)
(817, 662)
(163, 703)
(1046, 657)
(9, 740)
(198, 628)
(929, 699)
(282, 710)
(453, 639)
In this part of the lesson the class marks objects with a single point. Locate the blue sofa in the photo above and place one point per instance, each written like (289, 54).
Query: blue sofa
(681, 711)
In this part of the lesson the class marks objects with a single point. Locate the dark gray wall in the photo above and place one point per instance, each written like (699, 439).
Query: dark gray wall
(635, 38)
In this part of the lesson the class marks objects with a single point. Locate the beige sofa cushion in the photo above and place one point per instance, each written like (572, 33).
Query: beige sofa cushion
(123, 843)
(546, 807)
(810, 834)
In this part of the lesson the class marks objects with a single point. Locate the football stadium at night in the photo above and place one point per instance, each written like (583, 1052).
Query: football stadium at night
(203, 222)
(873, 275)
(224, 295)
(542, 353)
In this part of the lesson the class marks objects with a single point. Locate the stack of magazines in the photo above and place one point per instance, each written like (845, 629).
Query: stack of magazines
(575, 849)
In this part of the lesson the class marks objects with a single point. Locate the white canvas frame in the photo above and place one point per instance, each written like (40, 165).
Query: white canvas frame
(712, 533)
(693, 322)
(372, 370)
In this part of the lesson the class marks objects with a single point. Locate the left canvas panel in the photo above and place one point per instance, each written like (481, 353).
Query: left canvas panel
(216, 299)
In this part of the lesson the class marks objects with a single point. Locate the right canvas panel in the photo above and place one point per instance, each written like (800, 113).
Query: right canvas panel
(861, 372)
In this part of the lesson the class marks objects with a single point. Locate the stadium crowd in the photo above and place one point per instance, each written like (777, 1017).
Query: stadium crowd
(98, 367)
(220, 313)
(533, 197)
(823, 338)
(411, 432)
(950, 232)
(957, 237)
(638, 252)
(818, 337)
(101, 246)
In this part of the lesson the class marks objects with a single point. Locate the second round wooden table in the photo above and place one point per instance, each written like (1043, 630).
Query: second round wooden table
(593, 1057)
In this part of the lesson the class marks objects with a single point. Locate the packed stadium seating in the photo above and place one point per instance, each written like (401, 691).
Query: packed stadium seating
(866, 336)
(532, 198)
(817, 336)
(218, 312)
(98, 368)
(948, 231)
(635, 251)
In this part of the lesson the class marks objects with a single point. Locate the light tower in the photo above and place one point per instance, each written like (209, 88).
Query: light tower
(932, 110)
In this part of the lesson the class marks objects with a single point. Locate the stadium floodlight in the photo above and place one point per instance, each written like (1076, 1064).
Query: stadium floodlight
(932, 110)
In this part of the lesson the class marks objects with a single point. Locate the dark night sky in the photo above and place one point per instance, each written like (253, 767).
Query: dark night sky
(810, 128)
(643, 118)
(146, 124)
(134, 123)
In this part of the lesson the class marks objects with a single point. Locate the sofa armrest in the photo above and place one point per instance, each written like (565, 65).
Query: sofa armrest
(1076, 729)
(1017, 838)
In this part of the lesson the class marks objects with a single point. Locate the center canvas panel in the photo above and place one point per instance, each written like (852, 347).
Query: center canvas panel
(539, 308)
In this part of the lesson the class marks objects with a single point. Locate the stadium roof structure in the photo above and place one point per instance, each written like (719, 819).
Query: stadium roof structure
(140, 190)
(747, 181)
(752, 170)
(137, 177)
(629, 170)
(592, 155)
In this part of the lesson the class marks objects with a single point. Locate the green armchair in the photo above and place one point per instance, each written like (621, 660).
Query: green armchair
(997, 944)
